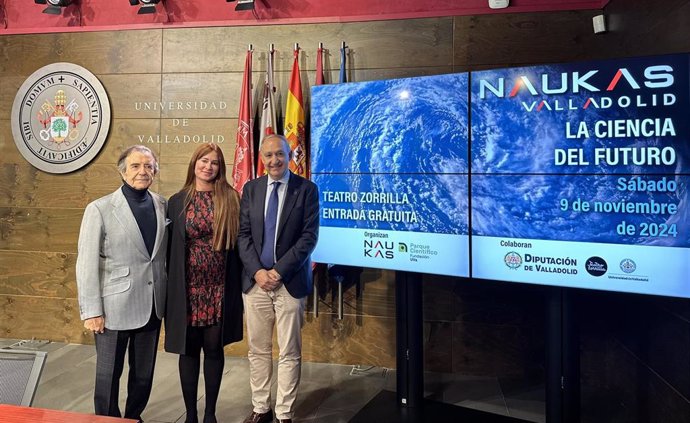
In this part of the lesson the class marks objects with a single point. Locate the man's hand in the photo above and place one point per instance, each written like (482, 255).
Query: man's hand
(267, 279)
(95, 324)
(275, 275)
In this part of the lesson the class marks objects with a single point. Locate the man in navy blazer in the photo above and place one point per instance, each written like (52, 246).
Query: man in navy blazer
(279, 226)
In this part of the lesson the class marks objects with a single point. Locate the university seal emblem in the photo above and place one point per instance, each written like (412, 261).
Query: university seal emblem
(60, 118)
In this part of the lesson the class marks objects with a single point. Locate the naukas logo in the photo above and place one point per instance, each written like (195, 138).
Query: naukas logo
(60, 118)
(545, 85)
(379, 249)
(658, 76)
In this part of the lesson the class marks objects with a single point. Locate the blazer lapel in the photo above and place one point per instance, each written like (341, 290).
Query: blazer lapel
(123, 214)
(289, 202)
(160, 223)
(261, 204)
(179, 220)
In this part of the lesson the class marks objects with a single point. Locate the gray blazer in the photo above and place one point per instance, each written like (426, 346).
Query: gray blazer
(116, 277)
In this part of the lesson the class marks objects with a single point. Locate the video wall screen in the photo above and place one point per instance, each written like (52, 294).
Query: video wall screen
(391, 162)
(571, 175)
(579, 175)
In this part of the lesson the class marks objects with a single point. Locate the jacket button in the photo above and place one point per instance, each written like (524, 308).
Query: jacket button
(150, 283)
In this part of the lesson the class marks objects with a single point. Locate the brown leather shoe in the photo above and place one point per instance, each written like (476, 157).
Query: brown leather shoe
(266, 417)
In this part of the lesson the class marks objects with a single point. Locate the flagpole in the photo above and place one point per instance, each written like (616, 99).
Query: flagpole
(343, 60)
(318, 269)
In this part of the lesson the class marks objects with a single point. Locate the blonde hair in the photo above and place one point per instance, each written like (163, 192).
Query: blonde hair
(226, 201)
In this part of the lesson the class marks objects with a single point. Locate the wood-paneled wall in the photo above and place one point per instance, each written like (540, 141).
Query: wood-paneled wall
(490, 329)
(146, 74)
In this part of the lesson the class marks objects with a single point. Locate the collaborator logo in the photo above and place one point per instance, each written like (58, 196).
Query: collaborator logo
(628, 265)
(513, 260)
(596, 266)
(402, 247)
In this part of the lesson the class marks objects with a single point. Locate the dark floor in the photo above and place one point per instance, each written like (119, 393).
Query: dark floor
(328, 392)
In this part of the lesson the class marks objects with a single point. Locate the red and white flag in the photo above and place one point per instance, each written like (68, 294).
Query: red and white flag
(243, 166)
(319, 65)
(268, 111)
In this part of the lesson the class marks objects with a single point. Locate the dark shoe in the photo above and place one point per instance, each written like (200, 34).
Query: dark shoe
(266, 417)
(210, 419)
(191, 418)
(284, 420)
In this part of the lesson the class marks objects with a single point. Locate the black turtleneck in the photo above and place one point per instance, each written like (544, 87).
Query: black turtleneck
(141, 204)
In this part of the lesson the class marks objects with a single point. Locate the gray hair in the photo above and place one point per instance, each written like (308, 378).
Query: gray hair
(286, 144)
(122, 166)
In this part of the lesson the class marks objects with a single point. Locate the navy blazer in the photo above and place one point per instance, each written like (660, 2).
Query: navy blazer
(297, 233)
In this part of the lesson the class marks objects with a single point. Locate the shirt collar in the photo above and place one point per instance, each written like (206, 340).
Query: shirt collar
(284, 180)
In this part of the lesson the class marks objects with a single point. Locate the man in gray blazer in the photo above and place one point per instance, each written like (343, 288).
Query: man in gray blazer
(121, 281)
(279, 227)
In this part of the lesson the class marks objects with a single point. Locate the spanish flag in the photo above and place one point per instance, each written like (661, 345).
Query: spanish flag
(295, 130)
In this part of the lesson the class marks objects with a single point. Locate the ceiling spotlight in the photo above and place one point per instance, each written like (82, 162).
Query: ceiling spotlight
(147, 6)
(54, 6)
(243, 4)
(499, 4)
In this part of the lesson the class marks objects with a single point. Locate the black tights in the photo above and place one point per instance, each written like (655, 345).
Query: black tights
(210, 338)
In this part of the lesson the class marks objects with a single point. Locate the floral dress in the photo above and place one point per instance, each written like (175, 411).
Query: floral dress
(205, 268)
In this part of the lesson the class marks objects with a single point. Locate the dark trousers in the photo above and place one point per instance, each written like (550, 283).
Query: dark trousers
(111, 346)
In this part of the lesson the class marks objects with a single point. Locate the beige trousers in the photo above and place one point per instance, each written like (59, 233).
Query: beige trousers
(263, 311)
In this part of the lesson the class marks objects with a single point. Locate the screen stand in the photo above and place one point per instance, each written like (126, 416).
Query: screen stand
(562, 358)
(408, 334)
(408, 404)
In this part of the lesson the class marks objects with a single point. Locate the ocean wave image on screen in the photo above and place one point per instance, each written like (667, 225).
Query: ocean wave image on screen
(530, 207)
(396, 137)
(511, 134)
(412, 125)
(439, 202)
(518, 185)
